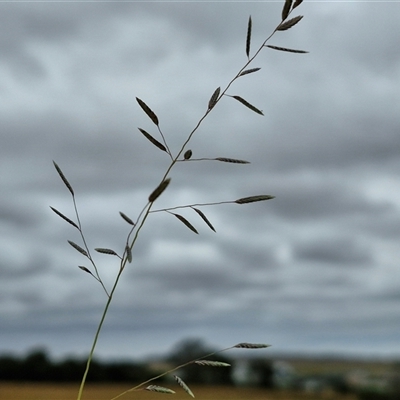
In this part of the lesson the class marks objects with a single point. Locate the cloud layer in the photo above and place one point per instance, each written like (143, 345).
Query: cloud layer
(314, 270)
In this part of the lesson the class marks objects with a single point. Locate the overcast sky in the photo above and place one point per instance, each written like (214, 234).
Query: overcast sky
(316, 270)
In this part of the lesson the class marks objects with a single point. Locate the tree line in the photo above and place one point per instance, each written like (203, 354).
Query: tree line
(37, 366)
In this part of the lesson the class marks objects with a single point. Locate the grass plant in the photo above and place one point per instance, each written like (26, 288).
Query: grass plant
(183, 155)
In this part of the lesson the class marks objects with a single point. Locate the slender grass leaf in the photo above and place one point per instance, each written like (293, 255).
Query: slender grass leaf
(248, 38)
(251, 346)
(253, 199)
(249, 71)
(126, 218)
(159, 189)
(209, 363)
(148, 111)
(78, 248)
(286, 9)
(187, 154)
(64, 179)
(106, 251)
(286, 49)
(214, 98)
(232, 160)
(186, 222)
(183, 385)
(128, 253)
(85, 269)
(297, 3)
(247, 104)
(65, 218)
(288, 24)
(152, 140)
(159, 389)
(205, 219)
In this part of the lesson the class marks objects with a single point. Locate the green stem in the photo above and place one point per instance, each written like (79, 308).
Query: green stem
(96, 337)
(110, 297)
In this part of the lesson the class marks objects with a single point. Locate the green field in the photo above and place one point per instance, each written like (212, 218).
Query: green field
(21, 391)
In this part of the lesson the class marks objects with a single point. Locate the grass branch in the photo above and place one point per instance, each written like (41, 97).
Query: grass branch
(163, 186)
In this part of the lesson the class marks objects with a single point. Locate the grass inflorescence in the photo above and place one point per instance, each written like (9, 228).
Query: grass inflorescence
(183, 155)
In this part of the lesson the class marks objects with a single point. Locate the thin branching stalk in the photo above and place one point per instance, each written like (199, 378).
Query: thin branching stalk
(98, 278)
(140, 385)
(138, 224)
(193, 205)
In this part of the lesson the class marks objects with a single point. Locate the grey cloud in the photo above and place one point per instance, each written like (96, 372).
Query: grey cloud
(13, 214)
(341, 251)
(9, 270)
(310, 194)
(22, 24)
(376, 53)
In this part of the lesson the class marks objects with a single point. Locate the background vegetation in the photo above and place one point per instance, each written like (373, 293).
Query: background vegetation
(304, 377)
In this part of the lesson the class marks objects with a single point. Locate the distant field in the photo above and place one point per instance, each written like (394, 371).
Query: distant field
(305, 366)
(20, 391)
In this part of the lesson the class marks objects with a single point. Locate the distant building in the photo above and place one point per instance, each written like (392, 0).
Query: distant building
(263, 372)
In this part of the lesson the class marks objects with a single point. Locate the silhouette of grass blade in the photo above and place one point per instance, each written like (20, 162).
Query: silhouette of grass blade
(158, 190)
(159, 389)
(286, 9)
(288, 24)
(249, 71)
(148, 111)
(248, 38)
(210, 363)
(214, 98)
(64, 179)
(205, 219)
(78, 248)
(153, 140)
(186, 222)
(286, 49)
(126, 218)
(183, 385)
(187, 154)
(248, 105)
(253, 199)
(297, 3)
(65, 218)
(85, 269)
(106, 251)
(232, 160)
(251, 346)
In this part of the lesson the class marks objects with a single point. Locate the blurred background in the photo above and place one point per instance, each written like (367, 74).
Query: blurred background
(313, 272)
